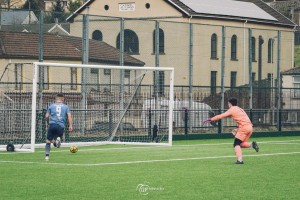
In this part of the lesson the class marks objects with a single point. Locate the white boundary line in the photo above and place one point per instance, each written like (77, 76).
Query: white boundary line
(144, 161)
(288, 142)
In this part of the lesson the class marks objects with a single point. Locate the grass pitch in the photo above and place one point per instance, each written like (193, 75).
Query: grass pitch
(187, 170)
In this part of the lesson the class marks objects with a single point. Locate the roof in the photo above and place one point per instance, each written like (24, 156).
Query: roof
(17, 17)
(191, 8)
(292, 71)
(60, 29)
(281, 19)
(20, 45)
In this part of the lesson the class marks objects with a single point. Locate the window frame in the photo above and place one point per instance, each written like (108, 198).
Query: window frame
(94, 37)
(74, 78)
(161, 38)
(234, 48)
(296, 93)
(214, 47)
(131, 42)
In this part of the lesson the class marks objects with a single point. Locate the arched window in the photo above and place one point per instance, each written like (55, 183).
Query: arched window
(131, 42)
(234, 47)
(161, 41)
(97, 35)
(253, 48)
(270, 50)
(213, 51)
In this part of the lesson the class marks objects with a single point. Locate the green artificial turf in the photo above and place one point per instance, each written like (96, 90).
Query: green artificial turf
(198, 169)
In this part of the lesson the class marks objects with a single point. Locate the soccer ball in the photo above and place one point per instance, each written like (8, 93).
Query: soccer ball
(73, 149)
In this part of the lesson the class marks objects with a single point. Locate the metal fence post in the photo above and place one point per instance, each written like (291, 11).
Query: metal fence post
(190, 75)
(222, 76)
(149, 122)
(278, 83)
(156, 74)
(220, 124)
(250, 71)
(85, 60)
(186, 120)
(41, 74)
(122, 71)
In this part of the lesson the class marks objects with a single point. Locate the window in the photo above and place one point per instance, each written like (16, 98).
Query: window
(233, 79)
(296, 84)
(253, 48)
(127, 80)
(270, 51)
(97, 35)
(18, 76)
(131, 42)
(107, 80)
(213, 51)
(73, 78)
(45, 75)
(297, 37)
(270, 76)
(94, 78)
(107, 71)
(161, 41)
(253, 76)
(213, 82)
(233, 47)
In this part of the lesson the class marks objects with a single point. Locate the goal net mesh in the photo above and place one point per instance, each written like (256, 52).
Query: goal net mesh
(109, 104)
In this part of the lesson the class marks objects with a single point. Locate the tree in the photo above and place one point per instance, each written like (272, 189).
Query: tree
(58, 6)
(58, 12)
(73, 6)
(31, 5)
(9, 4)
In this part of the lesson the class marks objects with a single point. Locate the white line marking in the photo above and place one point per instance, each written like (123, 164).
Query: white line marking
(174, 146)
(143, 161)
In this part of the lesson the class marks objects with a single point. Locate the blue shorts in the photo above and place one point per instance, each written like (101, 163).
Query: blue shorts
(54, 131)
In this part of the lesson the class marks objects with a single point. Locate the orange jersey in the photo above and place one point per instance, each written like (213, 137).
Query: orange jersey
(237, 114)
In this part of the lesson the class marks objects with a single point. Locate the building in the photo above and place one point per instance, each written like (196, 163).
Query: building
(22, 48)
(17, 17)
(202, 55)
(291, 93)
(52, 28)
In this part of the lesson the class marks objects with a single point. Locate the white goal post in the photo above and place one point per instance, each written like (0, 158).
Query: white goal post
(108, 104)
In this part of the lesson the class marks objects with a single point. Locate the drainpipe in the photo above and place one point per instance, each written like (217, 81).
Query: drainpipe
(244, 63)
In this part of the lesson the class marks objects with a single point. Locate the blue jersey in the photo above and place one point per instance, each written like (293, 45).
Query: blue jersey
(58, 113)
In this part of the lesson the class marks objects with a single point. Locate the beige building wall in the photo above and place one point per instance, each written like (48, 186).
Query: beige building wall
(56, 75)
(176, 52)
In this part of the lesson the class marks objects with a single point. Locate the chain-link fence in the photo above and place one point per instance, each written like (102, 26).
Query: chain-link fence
(212, 63)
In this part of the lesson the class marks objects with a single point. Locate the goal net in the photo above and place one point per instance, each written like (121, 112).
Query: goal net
(109, 104)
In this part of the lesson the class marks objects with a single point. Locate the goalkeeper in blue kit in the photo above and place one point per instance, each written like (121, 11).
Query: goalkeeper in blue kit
(56, 116)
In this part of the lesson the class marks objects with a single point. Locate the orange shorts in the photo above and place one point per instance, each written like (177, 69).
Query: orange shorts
(244, 133)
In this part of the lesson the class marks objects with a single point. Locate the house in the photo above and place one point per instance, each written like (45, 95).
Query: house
(16, 17)
(196, 52)
(291, 93)
(22, 48)
(52, 28)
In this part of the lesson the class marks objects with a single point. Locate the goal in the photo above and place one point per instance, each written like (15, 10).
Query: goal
(109, 104)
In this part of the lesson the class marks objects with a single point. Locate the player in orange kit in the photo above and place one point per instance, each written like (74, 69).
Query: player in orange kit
(244, 130)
